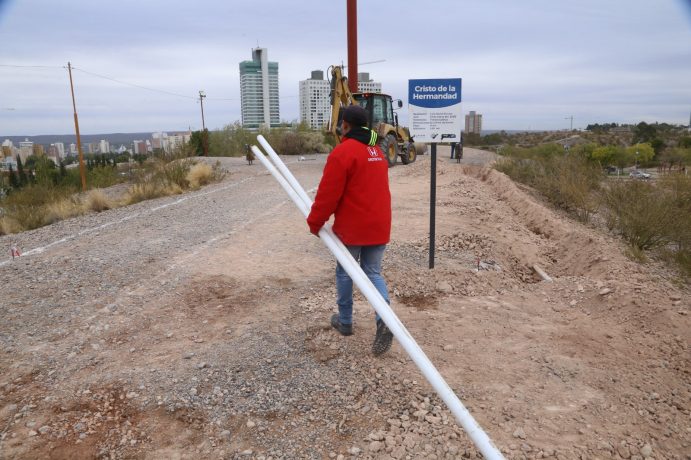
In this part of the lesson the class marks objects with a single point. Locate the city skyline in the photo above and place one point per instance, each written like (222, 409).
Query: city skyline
(524, 67)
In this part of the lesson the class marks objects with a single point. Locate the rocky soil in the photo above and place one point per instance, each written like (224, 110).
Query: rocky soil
(197, 326)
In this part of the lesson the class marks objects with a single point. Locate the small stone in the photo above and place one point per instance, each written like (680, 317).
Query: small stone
(225, 434)
(32, 433)
(623, 450)
(193, 391)
(188, 355)
(246, 453)
(605, 291)
(444, 286)
(250, 424)
(519, 433)
(44, 429)
(448, 347)
(375, 446)
(355, 450)
(169, 335)
(647, 450)
(202, 365)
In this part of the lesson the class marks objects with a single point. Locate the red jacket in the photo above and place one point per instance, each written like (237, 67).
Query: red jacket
(355, 188)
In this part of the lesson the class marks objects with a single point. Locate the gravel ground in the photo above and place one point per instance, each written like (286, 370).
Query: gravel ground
(196, 326)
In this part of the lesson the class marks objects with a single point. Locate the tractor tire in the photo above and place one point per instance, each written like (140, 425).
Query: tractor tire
(409, 154)
(389, 148)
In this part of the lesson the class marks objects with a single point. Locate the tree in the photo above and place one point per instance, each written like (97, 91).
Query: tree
(44, 171)
(643, 132)
(14, 181)
(609, 155)
(23, 179)
(196, 142)
(641, 153)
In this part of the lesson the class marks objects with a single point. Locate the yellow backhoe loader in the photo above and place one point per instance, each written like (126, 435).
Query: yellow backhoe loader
(394, 140)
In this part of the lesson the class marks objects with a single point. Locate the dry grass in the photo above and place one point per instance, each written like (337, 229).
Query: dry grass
(38, 205)
(200, 174)
(62, 209)
(97, 201)
(9, 226)
(149, 190)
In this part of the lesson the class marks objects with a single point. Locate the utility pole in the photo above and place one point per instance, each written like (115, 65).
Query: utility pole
(351, 12)
(570, 118)
(82, 170)
(205, 140)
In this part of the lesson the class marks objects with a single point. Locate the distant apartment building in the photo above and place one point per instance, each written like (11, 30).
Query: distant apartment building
(473, 123)
(139, 148)
(177, 140)
(259, 91)
(8, 163)
(61, 149)
(315, 104)
(8, 149)
(53, 153)
(73, 149)
(39, 150)
(104, 146)
(366, 85)
(168, 142)
(26, 149)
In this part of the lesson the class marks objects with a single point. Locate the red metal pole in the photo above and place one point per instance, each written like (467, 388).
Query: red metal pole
(352, 45)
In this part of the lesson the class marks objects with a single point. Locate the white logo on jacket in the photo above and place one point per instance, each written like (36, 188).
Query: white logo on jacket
(372, 151)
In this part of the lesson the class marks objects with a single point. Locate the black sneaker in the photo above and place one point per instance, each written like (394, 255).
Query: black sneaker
(382, 341)
(344, 329)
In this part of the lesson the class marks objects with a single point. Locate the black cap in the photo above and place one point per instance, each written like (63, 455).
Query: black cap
(355, 115)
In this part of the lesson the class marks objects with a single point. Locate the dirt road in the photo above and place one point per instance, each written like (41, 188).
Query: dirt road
(197, 327)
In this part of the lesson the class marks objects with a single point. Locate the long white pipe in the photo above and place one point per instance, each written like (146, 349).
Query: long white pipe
(286, 179)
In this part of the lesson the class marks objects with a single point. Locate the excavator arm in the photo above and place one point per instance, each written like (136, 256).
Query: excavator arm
(341, 97)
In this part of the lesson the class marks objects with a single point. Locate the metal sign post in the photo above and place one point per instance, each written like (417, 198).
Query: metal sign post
(432, 203)
(434, 108)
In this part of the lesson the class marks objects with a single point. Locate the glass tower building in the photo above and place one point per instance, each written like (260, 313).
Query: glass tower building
(259, 91)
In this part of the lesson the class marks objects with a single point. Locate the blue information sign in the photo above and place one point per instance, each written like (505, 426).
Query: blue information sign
(434, 107)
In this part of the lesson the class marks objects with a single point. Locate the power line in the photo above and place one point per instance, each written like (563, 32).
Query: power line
(134, 85)
(147, 88)
(32, 66)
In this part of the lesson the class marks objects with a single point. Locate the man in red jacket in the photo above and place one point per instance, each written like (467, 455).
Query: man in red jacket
(355, 189)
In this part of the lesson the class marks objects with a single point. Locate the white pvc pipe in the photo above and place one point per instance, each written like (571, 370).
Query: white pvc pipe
(542, 273)
(302, 201)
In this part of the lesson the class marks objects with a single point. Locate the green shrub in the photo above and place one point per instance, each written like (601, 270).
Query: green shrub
(568, 181)
(641, 212)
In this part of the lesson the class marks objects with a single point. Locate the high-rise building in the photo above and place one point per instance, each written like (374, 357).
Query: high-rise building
(61, 149)
(366, 85)
(26, 149)
(7, 149)
(473, 123)
(104, 146)
(73, 149)
(259, 91)
(315, 106)
(139, 147)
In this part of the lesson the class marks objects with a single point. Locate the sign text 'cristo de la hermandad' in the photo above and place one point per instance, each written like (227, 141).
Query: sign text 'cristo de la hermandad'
(425, 92)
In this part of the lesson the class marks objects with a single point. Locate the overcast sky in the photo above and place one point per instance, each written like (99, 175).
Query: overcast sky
(527, 64)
